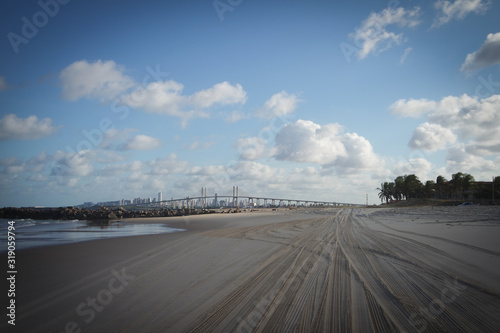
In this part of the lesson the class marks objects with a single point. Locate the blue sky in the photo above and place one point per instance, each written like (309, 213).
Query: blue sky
(320, 100)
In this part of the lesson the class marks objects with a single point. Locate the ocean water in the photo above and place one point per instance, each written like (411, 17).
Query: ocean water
(33, 233)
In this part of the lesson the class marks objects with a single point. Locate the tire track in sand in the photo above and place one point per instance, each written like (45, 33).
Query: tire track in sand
(337, 275)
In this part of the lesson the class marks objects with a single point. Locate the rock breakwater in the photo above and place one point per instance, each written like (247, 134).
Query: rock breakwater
(102, 213)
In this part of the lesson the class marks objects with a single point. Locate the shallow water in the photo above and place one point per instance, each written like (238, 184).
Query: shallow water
(33, 233)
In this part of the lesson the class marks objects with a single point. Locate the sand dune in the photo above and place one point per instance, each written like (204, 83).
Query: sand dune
(331, 270)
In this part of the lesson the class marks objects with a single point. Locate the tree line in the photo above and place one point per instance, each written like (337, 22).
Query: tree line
(460, 186)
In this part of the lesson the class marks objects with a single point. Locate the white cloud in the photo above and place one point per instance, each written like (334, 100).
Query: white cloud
(458, 159)
(431, 137)
(412, 108)
(114, 138)
(470, 117)
(418, 166)
(469, 124)
(279, 104)
(3, 84)
(448, 112)
(12, 127)
(360, 155)
(165, 97)
(373, 34)
(120, 139)
(101, 80)
(206, 170)
(167, 165)
(38, 178)
(458, 9)
(73, 164)
(305, 141)
(252, 148)
(454, 117)
(39, 162)
(120, 168)
(328, 145)
(405, 55)
(106, 81)
(143, 142)
(222, 93)
(254, 171)
(487, 55)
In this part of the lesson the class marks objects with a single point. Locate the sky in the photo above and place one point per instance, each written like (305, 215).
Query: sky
(311, 100)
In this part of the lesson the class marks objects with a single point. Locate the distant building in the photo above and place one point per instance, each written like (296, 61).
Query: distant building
(160, 197)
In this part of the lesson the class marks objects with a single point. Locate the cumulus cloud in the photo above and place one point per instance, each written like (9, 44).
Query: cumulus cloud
(252, 148)
(327, 145)
(487, 55)
(106, 81)
(101, 80)
(39, 162)
(431, 137)
(458, 159)
(122, 139)
(143, 142)
(73, 164)
(167, 165)
(165, 97)
(454, 118)
(12, 127)
(279, 104)
(418, 166)
(373, 34)
(253, 171)
(467, 126)
(412, 107)
(458, 9)
(470, 117)
(222, 93)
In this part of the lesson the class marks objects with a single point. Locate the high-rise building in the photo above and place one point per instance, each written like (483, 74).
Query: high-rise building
(160, 197)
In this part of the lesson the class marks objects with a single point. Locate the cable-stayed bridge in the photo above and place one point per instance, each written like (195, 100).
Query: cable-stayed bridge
(241, 201)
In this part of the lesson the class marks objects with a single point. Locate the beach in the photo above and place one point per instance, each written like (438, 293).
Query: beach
(416, 269)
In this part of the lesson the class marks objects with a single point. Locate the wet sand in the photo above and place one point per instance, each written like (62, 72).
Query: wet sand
(327, 270)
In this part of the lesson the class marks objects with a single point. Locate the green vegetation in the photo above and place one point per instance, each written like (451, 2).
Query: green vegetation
(461, 186)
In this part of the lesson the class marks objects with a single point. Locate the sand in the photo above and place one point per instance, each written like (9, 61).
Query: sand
(325, 270)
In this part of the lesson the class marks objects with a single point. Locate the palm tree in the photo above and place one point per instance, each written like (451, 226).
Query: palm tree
(385, 191)
(468, 183)
(441, 187)
(457, 181)
(399, 188)
(429, 189)
(413, 187)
